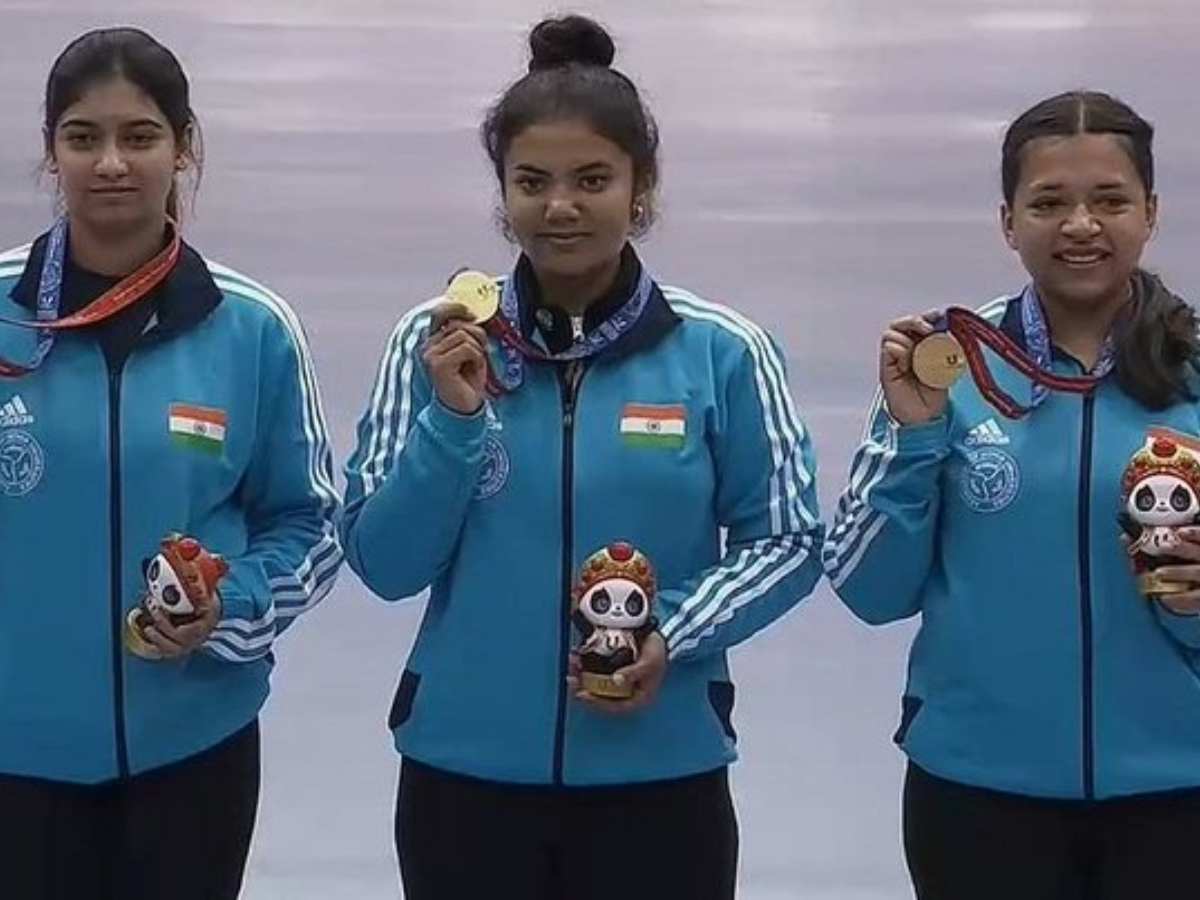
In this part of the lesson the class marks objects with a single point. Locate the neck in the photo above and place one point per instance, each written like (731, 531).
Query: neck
(573, 294)
(1082, 332)
(115, 255)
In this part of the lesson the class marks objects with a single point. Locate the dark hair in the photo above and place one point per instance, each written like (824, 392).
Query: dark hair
(132, 54)
(570, 77)
(1157, 345)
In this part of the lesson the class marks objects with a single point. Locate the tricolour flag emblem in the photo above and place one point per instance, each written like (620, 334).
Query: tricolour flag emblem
(199, 427)
(653, 426)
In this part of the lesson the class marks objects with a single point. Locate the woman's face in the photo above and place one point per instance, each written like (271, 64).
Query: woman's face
(1080, 218)
(569, 195)
(115, 156)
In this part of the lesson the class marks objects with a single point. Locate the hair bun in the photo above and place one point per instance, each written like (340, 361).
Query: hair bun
(570, 39)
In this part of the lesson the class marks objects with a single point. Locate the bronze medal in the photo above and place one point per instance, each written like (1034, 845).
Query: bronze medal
(938, 360)
(477, 293)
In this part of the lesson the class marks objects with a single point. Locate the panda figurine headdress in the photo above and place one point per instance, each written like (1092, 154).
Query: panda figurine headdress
(181, 582)
(613, 607)
(1160, 493)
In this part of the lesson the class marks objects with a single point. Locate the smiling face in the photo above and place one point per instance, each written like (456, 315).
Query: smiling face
(116, 157)
(1163, 499)
(569, 196)
(1079, 218)
(615, 603)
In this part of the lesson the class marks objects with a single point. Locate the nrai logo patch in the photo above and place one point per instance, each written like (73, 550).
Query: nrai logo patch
(493, 475)
(22, 463)
(990, 480)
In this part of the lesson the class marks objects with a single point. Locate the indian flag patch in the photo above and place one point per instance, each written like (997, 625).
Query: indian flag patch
(663, 427)
(198, 427)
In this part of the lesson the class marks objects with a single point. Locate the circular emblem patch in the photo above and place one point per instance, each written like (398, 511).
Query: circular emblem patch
(494, 474)
(21, 463)
(990, 481)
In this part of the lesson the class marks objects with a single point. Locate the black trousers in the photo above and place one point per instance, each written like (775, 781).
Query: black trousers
(462, 838)
(966, 843)
(180, 832)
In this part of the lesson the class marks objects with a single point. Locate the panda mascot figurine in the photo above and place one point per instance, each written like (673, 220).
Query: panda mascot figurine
(1160, 493)
(181, 582)
(613, 605)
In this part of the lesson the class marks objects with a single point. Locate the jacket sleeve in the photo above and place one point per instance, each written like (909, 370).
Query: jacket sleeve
(879, 552)
(292, 552)
(765, 499)
(411, 478)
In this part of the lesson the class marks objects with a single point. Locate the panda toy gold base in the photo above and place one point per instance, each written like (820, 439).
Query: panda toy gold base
(1150, 584)
(612, 606)
(181, 582)
(604, 686)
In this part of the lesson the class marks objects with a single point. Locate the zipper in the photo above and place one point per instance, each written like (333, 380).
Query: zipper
(114, 529)
(1085, 597)
(569, 378)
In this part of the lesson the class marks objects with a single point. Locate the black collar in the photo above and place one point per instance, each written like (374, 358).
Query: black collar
(184, 299)
(555, 325)
(1011, 323)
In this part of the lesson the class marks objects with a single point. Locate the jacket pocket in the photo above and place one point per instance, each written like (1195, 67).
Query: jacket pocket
(720, 696)
(909, 707)
(402, 703)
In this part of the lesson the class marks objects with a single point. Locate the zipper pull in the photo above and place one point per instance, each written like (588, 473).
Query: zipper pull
(571, 380)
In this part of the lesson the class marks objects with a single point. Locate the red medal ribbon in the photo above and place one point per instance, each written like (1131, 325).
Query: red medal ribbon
(128, 291)
(971, 330)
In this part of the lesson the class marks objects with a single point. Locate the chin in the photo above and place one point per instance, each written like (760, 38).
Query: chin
(117, 219)
(565, 265)
(1085, 292)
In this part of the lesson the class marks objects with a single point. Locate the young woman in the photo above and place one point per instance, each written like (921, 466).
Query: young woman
(647, 415)
(185, 402)
(1050, 714)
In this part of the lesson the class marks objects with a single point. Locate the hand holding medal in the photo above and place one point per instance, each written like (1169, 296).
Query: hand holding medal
(455, 353)
(181, 605)
(915, 369)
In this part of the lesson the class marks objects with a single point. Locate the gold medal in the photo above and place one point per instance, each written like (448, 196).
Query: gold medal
(938, 360)
(477, 293)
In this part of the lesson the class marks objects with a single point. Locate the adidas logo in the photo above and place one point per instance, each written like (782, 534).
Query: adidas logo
(986, 433)
(14, 413)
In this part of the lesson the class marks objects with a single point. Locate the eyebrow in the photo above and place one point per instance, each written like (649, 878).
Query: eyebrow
(586, 167)
(87, 123)
(1050, 186)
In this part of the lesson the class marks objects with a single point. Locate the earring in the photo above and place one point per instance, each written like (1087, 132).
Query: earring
(639, 213)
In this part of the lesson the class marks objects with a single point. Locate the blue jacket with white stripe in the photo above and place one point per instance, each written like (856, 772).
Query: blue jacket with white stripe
(1039, 668)
(495, 512)
(91, 480)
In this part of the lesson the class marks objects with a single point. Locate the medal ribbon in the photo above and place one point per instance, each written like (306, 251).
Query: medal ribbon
(515, 348)
(971, 330)
(116, 299)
